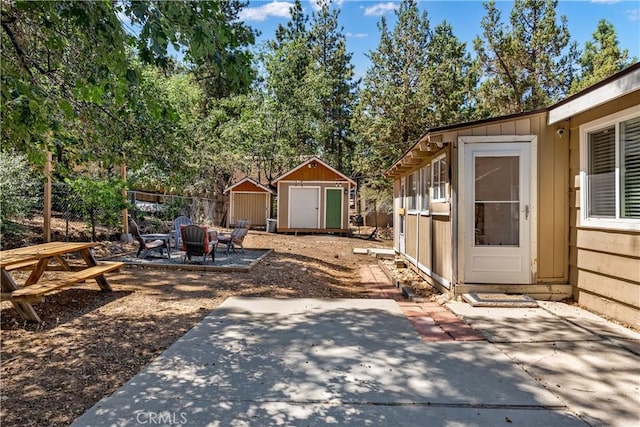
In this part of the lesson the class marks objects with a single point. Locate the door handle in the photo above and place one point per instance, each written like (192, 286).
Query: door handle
(526, 212)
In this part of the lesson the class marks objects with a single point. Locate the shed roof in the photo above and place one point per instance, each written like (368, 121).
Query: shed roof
(309, 162)
(248, 180)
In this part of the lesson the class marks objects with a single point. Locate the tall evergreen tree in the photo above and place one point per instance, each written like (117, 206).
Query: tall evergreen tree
(527, 64)
(392, 111)
(601, 57)
(331, 77)
(286, 63)
(392, 114)
(449, 80)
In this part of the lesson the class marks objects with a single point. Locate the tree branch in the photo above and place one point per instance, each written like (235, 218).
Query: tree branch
(16, 45)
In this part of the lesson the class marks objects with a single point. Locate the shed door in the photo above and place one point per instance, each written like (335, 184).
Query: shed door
(250, 206)
(304, 204)
(496, 208)
(333, 218)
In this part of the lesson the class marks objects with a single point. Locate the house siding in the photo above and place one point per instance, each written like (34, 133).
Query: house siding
(604, 264)
(424, 243)
(412, 236)
(313, 173)
(248, 187)
(428, 245)
(441, 255)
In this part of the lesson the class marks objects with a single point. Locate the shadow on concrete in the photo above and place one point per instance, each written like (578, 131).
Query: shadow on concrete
(591, 364)
(259, 361)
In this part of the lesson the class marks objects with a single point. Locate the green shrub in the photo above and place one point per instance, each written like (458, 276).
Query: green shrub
(20, 189)
(100, 200)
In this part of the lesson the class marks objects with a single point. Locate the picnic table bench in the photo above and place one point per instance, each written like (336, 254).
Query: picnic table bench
(37, 258)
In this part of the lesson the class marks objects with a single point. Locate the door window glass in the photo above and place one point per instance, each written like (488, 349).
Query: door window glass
(497, 201)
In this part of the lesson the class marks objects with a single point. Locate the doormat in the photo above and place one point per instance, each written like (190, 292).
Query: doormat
(489, 299)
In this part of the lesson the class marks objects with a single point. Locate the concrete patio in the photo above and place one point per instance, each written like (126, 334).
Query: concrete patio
(261, 361)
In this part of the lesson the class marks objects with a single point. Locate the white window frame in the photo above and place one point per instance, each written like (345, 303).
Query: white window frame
(436, 197)
(415, 175)
(617, 223)
(425, 181)
(403, 203)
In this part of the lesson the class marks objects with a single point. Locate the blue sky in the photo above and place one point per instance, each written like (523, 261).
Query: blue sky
(359, 19)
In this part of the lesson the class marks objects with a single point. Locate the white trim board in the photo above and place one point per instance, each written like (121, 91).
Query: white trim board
(610, 91)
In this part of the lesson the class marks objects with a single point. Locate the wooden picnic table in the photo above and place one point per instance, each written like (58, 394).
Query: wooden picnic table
(37, 258)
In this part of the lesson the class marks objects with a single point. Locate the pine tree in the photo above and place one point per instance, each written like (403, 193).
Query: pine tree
(528, 64)
(286, 63)
(331, 76)
(601, 57)
(392, 114)
(449, 79)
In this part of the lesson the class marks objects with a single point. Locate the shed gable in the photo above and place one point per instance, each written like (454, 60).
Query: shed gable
(248, 186)
(314, 169)
(311, 173)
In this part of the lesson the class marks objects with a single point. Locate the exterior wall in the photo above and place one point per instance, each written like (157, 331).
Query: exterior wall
(411, 234)
(253, 206)
(427, 235)
(319, 173)
(553, 201)
(604, 263)
(552, 175)
(434, 233)
(396, 206)
(425, 239)
(284, 202)
(441, 244)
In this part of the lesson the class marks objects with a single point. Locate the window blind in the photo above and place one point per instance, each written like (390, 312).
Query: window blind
(412, 190)
(601, 176)
(630, 163)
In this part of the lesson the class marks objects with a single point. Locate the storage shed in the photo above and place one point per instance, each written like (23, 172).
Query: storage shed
(248, 199)
(545, 203)
(313, 197)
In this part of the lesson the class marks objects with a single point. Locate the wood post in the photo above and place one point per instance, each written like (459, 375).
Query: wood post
(47, 199)
(125, 213)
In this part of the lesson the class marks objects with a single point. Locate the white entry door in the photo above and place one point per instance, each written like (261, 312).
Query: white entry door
(496, 209)
(304, 204)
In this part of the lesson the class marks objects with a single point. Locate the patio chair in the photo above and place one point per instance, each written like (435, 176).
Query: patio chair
(146, 245)
(235, 238)
(242, 223)
(181, 220)
(195, 242)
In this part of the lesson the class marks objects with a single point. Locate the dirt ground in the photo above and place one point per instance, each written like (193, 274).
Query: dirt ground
(91, 342)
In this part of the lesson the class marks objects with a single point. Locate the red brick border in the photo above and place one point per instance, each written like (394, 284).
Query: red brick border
(431, 320)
